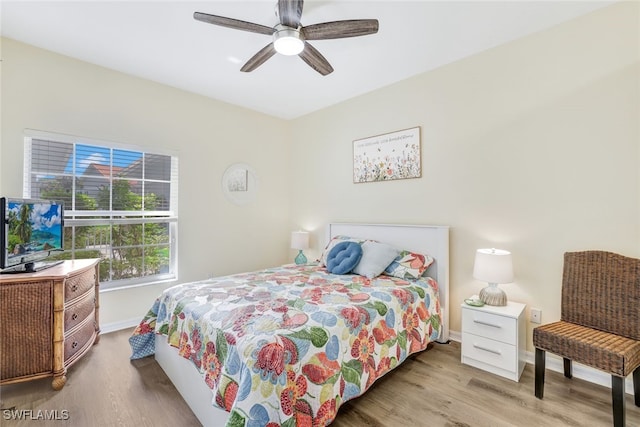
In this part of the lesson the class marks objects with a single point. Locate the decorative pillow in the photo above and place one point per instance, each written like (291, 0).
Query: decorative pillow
(409, 265)
(332, 243)
(376, 257)
(343, 257)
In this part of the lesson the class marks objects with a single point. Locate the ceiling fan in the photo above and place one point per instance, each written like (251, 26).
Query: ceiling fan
(291, 38)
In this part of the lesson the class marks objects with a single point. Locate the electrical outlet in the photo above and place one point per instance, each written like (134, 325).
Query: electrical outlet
(536, 315)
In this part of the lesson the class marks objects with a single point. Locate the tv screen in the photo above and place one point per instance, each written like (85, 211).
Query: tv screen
(32, 229)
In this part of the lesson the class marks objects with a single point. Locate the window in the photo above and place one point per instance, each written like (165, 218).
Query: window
(120, 204)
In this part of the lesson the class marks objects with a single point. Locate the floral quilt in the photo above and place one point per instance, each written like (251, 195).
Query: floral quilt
(288, 345)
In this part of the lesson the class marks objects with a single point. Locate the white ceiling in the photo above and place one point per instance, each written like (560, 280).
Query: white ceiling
(160, 41)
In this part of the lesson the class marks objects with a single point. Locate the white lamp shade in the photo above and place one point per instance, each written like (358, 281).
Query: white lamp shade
(300, 240)
(493, 266)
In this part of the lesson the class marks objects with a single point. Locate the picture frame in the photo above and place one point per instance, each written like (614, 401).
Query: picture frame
(237, 180)
(387, 157)
(240, 184)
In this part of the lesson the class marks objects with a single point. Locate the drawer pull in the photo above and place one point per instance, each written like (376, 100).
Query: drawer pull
(490, 350)
(74, 316)
(74, 287)
(493, 325)
(74, 344)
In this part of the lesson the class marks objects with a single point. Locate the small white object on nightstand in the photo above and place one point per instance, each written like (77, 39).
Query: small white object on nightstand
(493, 338)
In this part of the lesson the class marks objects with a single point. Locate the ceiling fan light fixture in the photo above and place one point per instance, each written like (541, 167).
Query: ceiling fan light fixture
(289, 36)
(287, 41)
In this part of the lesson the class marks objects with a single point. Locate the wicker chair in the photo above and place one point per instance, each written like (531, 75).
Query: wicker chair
(600, 322)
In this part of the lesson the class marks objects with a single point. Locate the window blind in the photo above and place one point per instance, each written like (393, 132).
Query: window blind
(120, 204)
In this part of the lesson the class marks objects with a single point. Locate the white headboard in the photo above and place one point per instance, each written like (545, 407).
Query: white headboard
(426, 239)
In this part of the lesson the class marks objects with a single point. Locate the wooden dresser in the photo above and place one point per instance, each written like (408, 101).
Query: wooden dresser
(48, 320)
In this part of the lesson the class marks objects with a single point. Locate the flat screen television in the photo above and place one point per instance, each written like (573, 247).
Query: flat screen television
(30, 232)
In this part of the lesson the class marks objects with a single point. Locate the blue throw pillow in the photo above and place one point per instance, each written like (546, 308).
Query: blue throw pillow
(343, 257)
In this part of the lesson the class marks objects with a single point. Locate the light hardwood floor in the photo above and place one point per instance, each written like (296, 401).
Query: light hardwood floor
(430, 389)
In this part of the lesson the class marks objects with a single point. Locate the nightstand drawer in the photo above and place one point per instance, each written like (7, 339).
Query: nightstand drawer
(491, 352)
(489, 325)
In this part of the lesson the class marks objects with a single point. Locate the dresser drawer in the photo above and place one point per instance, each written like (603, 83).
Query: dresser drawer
(491, 352)
(78, 311)
(79, 338)
(79, 284)
(489, 325)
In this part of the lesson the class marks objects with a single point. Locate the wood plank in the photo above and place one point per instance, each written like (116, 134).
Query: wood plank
(430, 389)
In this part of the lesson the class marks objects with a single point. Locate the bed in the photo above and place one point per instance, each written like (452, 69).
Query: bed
(288, 345)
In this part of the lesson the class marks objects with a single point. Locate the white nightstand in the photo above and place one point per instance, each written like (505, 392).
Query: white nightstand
(493, 338)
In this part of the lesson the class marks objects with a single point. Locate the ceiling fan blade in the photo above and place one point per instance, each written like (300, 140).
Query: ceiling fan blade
(259, 58)
(236, 24)
(290, 12)
(340, 29)
(311, 56)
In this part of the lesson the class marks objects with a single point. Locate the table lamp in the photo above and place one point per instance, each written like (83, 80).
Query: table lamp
(300, 241)
(493, 266)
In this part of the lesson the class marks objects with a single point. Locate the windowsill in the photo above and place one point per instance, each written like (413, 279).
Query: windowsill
(139, 285)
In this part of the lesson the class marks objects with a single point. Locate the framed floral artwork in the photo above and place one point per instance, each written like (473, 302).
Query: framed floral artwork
(386, 157)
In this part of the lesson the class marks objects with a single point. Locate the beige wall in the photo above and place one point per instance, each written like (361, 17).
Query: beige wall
(531, 147)
(49, 92)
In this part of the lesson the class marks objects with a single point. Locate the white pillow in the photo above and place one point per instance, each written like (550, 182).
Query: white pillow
(376, 257)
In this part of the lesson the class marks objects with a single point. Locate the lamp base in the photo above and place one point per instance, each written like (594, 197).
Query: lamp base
(493, 295)
(300, 258)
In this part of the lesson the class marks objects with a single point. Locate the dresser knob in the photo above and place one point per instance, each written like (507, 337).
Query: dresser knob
(74, 288)
(74, 344)
(74, 317)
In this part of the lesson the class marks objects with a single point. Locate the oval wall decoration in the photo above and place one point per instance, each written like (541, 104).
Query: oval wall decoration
(240, 184)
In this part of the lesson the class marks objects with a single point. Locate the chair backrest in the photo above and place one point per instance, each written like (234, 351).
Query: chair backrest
(601, 290)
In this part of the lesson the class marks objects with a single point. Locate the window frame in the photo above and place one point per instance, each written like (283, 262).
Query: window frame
(79, 218)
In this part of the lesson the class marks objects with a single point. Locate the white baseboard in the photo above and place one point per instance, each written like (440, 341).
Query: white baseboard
(554, 363)
(117, 326)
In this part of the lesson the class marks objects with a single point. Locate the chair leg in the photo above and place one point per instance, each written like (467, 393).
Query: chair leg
(568, 372)
(539, 375)
(617, 394)
(636, 385)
